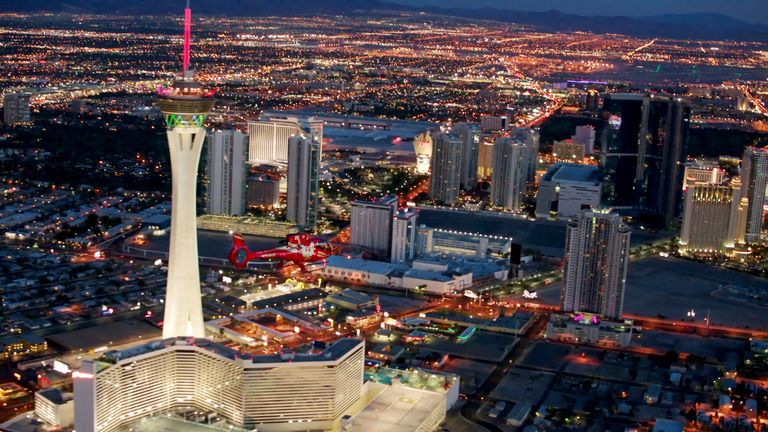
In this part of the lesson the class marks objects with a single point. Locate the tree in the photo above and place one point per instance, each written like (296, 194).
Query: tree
(671, 357)
(91, 221)
(690, 415)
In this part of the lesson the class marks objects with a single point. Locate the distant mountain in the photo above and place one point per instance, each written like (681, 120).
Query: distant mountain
(676, 26)
(680, 26)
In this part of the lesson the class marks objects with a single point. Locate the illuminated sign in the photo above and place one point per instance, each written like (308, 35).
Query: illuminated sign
(61, 367)
(82, 375)
(614, 121)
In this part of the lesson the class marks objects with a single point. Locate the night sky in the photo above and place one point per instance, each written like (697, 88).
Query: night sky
(755, 11)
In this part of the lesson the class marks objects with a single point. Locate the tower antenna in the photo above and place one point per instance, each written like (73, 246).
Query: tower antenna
(187, 36)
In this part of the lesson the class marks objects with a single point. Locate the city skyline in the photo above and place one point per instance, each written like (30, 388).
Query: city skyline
(377, 221)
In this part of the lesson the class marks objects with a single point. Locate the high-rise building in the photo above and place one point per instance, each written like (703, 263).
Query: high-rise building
(315, 128)
(371, 224)
(485, 158)
(185, 107)
(302, 199)
(711, 211)
(493, 123)
(422, 146)
(643, 149)
(404, 236)
(592, 100)
(263, 192)
(274, 393)
(531, 138)
(743, 103)
(425, 240)
(737, 223)
(595, 268)
(470, 137)
(585, 135)
(702, 173)
(754, 177)
(268, 137)
(447, 154)
(511, 171)
(268, 140)
(16, 108)
(226, 171)
(568, 151)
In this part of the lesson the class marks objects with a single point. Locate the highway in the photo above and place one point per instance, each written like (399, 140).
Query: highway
(701, 329)
(629, 55)
(755, 101)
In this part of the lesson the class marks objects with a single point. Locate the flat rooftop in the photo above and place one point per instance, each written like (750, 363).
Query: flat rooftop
(362, 265)
(515, 321)
(332, 353)
(290, 298)
(169, 424)
(111, 334)
(547, 237)
(397, 409)
(572, 173)
(427, 275)
(351, 296)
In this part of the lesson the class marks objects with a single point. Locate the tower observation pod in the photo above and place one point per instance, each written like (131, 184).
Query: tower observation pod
(185, 107)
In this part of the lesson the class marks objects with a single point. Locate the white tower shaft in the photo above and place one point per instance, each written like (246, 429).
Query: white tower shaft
(183, 302)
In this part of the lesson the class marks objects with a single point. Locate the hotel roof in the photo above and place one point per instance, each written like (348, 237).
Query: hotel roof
(376, 267)
(397, 409)
(290, 298)
(332, 353)
(351, 296)
(572, 173)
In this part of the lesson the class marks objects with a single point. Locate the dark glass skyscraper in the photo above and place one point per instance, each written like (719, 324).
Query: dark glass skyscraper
(643, 146)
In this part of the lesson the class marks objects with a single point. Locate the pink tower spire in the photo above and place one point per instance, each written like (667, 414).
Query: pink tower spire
(187, 36)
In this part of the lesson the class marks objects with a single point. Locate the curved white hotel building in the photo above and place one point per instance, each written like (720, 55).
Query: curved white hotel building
(276, 393)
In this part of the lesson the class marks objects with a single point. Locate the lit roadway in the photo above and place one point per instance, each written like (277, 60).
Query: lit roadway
(423, 186)
(638, 49)
(701, 329)
(755, 101)
(543, 116)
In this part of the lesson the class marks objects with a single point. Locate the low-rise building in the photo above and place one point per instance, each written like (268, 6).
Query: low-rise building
(589, 329)
(466, 244)
(385, 352)
(518, 414)
(55, 407)
(352, 300)
(20, 345)
(566, 189)
(432, 277)
(364, 318)
(298, 300)
(665, 425)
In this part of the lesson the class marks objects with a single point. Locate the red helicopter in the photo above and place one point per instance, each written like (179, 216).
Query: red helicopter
(304, 250)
